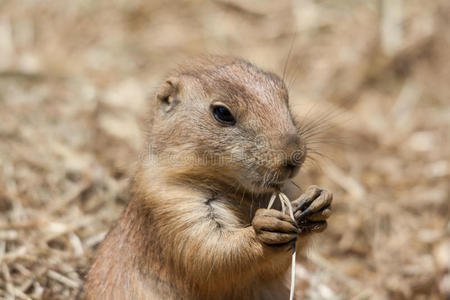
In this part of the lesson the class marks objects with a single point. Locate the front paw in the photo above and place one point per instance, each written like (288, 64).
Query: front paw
(274, 228)
(312, 210)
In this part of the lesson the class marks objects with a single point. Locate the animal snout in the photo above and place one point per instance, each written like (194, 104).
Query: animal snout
(294, 155)
(291, 167)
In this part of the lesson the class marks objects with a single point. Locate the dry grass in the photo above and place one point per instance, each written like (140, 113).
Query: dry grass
(75, 76)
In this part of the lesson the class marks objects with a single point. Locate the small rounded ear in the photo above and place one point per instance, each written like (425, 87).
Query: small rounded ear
(167, 94)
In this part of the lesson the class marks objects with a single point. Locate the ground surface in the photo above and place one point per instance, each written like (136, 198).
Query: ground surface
(76, 75)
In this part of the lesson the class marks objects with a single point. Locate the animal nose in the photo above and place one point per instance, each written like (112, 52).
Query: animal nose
(292, 141)
(294, 155)
(291, 167)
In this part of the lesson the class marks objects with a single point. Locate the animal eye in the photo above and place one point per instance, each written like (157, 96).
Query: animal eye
(223, 115)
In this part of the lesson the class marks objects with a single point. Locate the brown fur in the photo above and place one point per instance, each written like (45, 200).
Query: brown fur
(195, 227)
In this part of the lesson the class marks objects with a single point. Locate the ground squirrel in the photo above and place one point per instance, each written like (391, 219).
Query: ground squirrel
(220, 140)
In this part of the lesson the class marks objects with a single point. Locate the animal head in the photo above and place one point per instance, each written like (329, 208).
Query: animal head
(225, 121)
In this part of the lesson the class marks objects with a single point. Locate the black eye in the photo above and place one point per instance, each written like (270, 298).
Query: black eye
(223, 115)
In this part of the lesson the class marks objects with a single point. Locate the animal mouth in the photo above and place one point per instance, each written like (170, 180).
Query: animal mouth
(273, 186)
(276, 185)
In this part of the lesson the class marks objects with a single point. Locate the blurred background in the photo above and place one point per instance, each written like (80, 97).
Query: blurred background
(374, 75)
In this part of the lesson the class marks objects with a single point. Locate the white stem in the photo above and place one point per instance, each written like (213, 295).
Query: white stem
(286, 203)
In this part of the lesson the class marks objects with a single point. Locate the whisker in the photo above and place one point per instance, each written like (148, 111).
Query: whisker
(294, 78)
(313, 162)
(326, 141)
(289, 55)
(296, 185)
(322, 117)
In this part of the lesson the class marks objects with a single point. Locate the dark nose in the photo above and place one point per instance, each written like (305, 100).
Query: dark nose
(291, 167)
(292, 141)
(294, 155)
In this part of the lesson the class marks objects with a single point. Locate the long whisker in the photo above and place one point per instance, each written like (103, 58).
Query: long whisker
(294, 78)
(289, 55)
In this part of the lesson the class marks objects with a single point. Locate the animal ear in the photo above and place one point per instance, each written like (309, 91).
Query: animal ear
(167, 94)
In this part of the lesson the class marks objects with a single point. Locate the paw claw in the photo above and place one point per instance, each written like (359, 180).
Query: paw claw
(313, 209)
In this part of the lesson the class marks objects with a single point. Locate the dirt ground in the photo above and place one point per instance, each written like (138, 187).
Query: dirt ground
(374, 76)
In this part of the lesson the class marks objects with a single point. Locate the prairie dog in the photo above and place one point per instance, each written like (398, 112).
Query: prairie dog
(220, 140)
